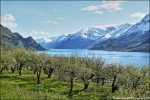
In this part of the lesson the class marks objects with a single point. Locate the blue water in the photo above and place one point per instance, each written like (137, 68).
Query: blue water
(125, 58)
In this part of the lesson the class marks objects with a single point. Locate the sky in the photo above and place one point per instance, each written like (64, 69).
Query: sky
(44, 19)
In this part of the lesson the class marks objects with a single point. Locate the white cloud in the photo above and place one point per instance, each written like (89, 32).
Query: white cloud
(8, 21)
(138, 15)
(104, 26)
(51, 22)
(55, 10)
(98, 12)
(92, 8)
(60, 18)
(38, 32)
(55, 21)
(106, 5)
(112, 5)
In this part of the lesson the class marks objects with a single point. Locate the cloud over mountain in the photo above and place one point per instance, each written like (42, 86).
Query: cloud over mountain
(8, 20)
(138, 15)
(106, 5)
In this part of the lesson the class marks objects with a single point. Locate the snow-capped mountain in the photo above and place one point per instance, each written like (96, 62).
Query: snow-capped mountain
(84, 38)
(116, 31)
(50, 42)
(141, 26)
(81, 39)
(90, 33)
(136, 38)
(120, 29)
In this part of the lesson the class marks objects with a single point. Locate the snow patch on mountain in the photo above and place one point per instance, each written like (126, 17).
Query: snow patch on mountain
(107, 35)
(89, 34)
(141, 26)
(120, 29)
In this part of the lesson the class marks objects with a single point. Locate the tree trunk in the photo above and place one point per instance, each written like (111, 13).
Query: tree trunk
(135, 83)
(113, 84)
(6, 68)
(86, 84)
(103, 80)
(20, 66)
(38, 79)
(20, 72)
(27, 68)
(2, 70)
(71, 84)
(91, 76)
(49, 75)
(34, 71)
(12, 70)
(97, 80)
(50, 72)
(38, 76)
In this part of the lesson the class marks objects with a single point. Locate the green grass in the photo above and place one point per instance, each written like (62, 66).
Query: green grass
(14, 86)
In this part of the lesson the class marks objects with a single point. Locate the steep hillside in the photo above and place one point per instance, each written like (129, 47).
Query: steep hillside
(11, 40)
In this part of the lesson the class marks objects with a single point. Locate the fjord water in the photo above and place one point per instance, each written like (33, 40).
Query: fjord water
(125, 58)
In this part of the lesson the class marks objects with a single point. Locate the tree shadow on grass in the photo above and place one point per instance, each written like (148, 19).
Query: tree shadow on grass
(18, 79)
(77, 91)
(74, 92)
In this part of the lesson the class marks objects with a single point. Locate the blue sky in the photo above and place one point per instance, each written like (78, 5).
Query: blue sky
(42, 19)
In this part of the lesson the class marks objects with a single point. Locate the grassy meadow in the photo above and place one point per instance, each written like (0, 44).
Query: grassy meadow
(25, 87)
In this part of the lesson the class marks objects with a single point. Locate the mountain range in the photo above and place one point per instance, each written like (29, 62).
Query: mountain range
(84, 38)
(124, 37)
(134, 39)
(11, 40)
